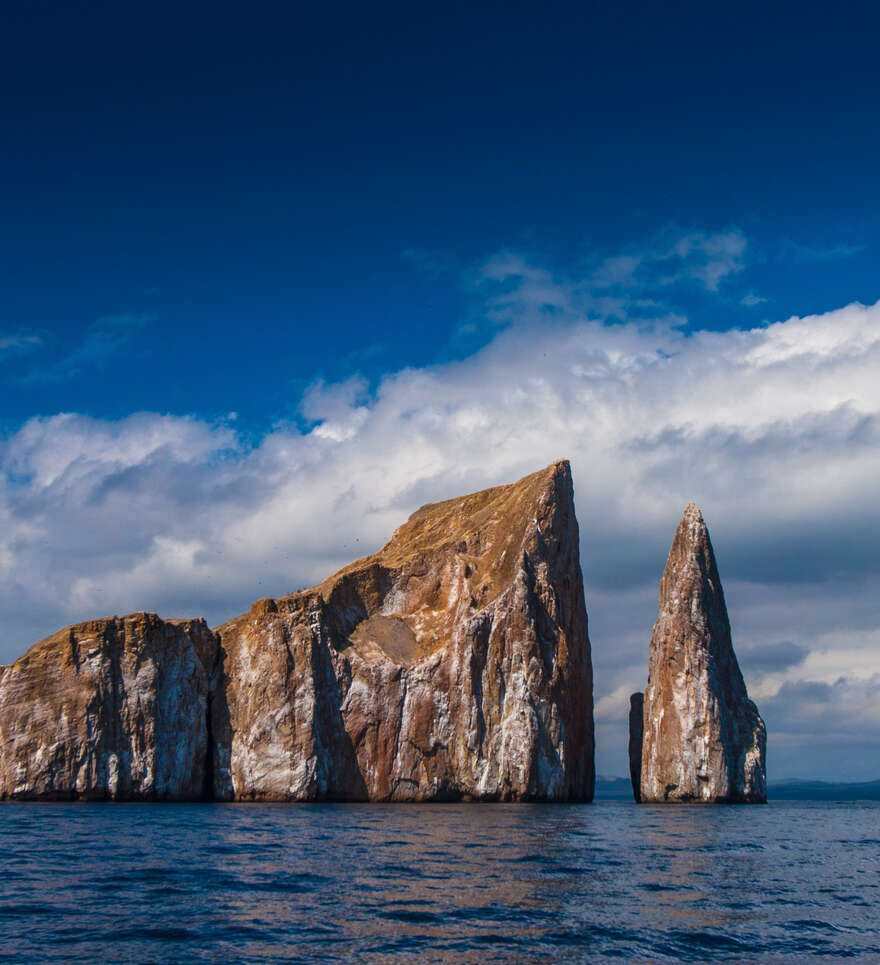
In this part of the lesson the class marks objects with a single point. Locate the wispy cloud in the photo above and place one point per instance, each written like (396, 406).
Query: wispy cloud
(104, 339)
(640, 282)
(705, 258)
(795, 252)
(17, 344)
(751, 300)
(674, 257)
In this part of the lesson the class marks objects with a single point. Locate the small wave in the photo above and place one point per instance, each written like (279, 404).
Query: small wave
(412, 917)
(169, 934)
(26, 909)
(710, 941)
(815, 924)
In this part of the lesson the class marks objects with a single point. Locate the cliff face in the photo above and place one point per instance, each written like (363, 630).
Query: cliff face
(452, 664)
(703, 738)
(110, 709)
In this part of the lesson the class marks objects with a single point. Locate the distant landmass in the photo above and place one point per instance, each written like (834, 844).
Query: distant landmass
(798, 790)
(620, 789)
(613, 789)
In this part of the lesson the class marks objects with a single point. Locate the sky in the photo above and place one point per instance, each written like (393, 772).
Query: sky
(273, 277)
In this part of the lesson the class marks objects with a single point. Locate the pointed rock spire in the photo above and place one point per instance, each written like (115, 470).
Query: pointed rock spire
(703, 738)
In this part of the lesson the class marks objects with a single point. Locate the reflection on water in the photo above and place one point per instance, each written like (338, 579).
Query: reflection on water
(444, 883)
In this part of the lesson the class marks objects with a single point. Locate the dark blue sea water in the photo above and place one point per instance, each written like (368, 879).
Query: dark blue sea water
(439, 883)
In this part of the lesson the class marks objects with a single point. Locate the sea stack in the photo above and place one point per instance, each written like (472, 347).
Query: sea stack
(636, 732)
(454, 664)
(118, 708)
(703, 739)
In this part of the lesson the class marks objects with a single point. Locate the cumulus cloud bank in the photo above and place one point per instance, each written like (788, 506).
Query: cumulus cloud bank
(774, 432)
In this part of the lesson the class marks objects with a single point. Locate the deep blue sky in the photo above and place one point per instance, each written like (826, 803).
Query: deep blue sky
(257, 196)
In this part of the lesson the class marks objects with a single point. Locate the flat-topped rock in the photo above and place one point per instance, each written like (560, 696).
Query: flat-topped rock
(117, 708)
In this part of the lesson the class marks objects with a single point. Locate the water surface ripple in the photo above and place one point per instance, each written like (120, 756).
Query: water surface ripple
(440, 883)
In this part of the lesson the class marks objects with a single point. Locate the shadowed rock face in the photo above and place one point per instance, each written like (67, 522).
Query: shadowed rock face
(703, 738)
(452, 664)
(636, 730)
(110, 709)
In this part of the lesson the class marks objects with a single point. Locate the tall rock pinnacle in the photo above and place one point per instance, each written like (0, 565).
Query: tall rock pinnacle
(704, 740)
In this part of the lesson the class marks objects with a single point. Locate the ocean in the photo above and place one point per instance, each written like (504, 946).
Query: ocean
(787, 882)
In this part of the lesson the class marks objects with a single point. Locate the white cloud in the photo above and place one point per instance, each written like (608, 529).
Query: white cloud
(773, 431)
(335, 408)
(67, 447)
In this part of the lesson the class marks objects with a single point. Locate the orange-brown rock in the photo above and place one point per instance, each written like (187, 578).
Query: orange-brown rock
(110, 709)
(704, 740)
(452, 664)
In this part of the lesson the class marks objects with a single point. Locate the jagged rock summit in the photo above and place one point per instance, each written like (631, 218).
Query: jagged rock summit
(452, 664)
(703, 739)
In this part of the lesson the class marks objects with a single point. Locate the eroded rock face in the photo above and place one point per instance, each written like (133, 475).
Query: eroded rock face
(703, 738)
(111, 709)
(452, 664)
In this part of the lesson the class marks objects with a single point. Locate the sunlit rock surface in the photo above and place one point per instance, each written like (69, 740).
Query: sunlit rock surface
(452, 664)
(116, 708)
(703, 738)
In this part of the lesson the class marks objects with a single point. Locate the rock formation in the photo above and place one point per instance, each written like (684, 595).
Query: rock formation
(452, 664)
(115, 708)
(703, 738)
(636, 731)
